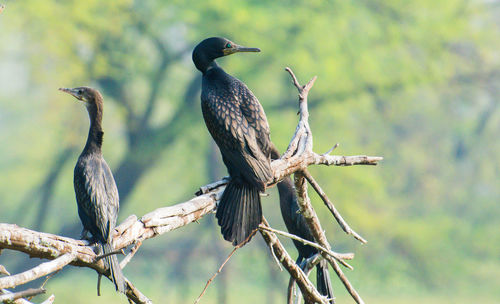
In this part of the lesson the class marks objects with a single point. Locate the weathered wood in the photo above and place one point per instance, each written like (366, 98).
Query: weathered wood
(297, 158)
(340, 220)
(340, 257)
(306, 209)
(37, 272)
(307, 288)
(8, 297)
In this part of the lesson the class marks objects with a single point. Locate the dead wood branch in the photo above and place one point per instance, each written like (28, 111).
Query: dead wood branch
(22, 294)
(135, 295)
(306, 287)
(338, 256)
(343, 224)
(307, 265)
(49, 300)
(301, 144)
(37, 272)
(129, 256)
(297, 158)
(315, 227)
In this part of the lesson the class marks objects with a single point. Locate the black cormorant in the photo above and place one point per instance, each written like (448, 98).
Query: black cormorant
(95, 187)
(296, 224)
(238, 124)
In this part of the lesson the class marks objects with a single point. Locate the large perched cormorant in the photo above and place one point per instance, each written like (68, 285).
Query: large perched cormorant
(296, 224)
(95, 187)
(238, 124)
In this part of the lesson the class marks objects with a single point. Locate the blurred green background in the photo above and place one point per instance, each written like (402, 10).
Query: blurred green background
(415, 82)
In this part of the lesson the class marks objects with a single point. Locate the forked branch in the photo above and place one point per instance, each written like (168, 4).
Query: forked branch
(301, 148)
(297, 158)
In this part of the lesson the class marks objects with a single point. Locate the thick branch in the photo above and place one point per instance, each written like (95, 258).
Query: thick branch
(50, 246)
(297, 158)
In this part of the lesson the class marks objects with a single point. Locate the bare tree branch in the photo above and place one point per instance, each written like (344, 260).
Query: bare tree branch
(302, 144)
(22, 294)
(307, 265)
(297, 158)
(129, 256)
(343, 224)
(307, 288)
(338, 256)
(135, 295)
(315, 227)
(37, 272)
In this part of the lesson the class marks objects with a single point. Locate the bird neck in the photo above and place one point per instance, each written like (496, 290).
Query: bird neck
(202, 62)
(94, 140)
(210, 66)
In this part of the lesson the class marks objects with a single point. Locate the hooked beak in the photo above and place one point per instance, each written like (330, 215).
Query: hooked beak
(240, 49)
(72, 92)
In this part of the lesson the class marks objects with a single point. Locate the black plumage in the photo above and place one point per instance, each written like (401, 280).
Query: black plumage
(95, 188)
(296, 224)
(238, 124)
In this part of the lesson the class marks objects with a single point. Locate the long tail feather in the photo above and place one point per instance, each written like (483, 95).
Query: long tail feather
(323, 281)
(116, 271)
(239, 212)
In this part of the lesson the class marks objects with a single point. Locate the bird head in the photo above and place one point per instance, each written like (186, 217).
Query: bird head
(87, 95)
(212, 48)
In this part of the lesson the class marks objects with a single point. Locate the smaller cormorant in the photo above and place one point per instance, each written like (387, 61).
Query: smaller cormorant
(296, 224)
(95, 188)
(238, 124)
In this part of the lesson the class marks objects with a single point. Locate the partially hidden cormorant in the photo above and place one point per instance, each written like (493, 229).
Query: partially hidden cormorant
(95, 187)
(296, 224)
(238, 124)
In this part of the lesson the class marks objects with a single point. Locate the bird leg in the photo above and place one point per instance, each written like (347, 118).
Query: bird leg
(99, 277)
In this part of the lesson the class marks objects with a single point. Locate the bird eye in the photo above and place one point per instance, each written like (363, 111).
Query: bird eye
(80, 92)
(228, 45)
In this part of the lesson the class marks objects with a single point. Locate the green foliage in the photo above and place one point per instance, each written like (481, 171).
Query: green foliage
(413, 82)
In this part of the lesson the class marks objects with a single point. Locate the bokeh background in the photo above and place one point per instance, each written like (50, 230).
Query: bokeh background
(416, 82)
